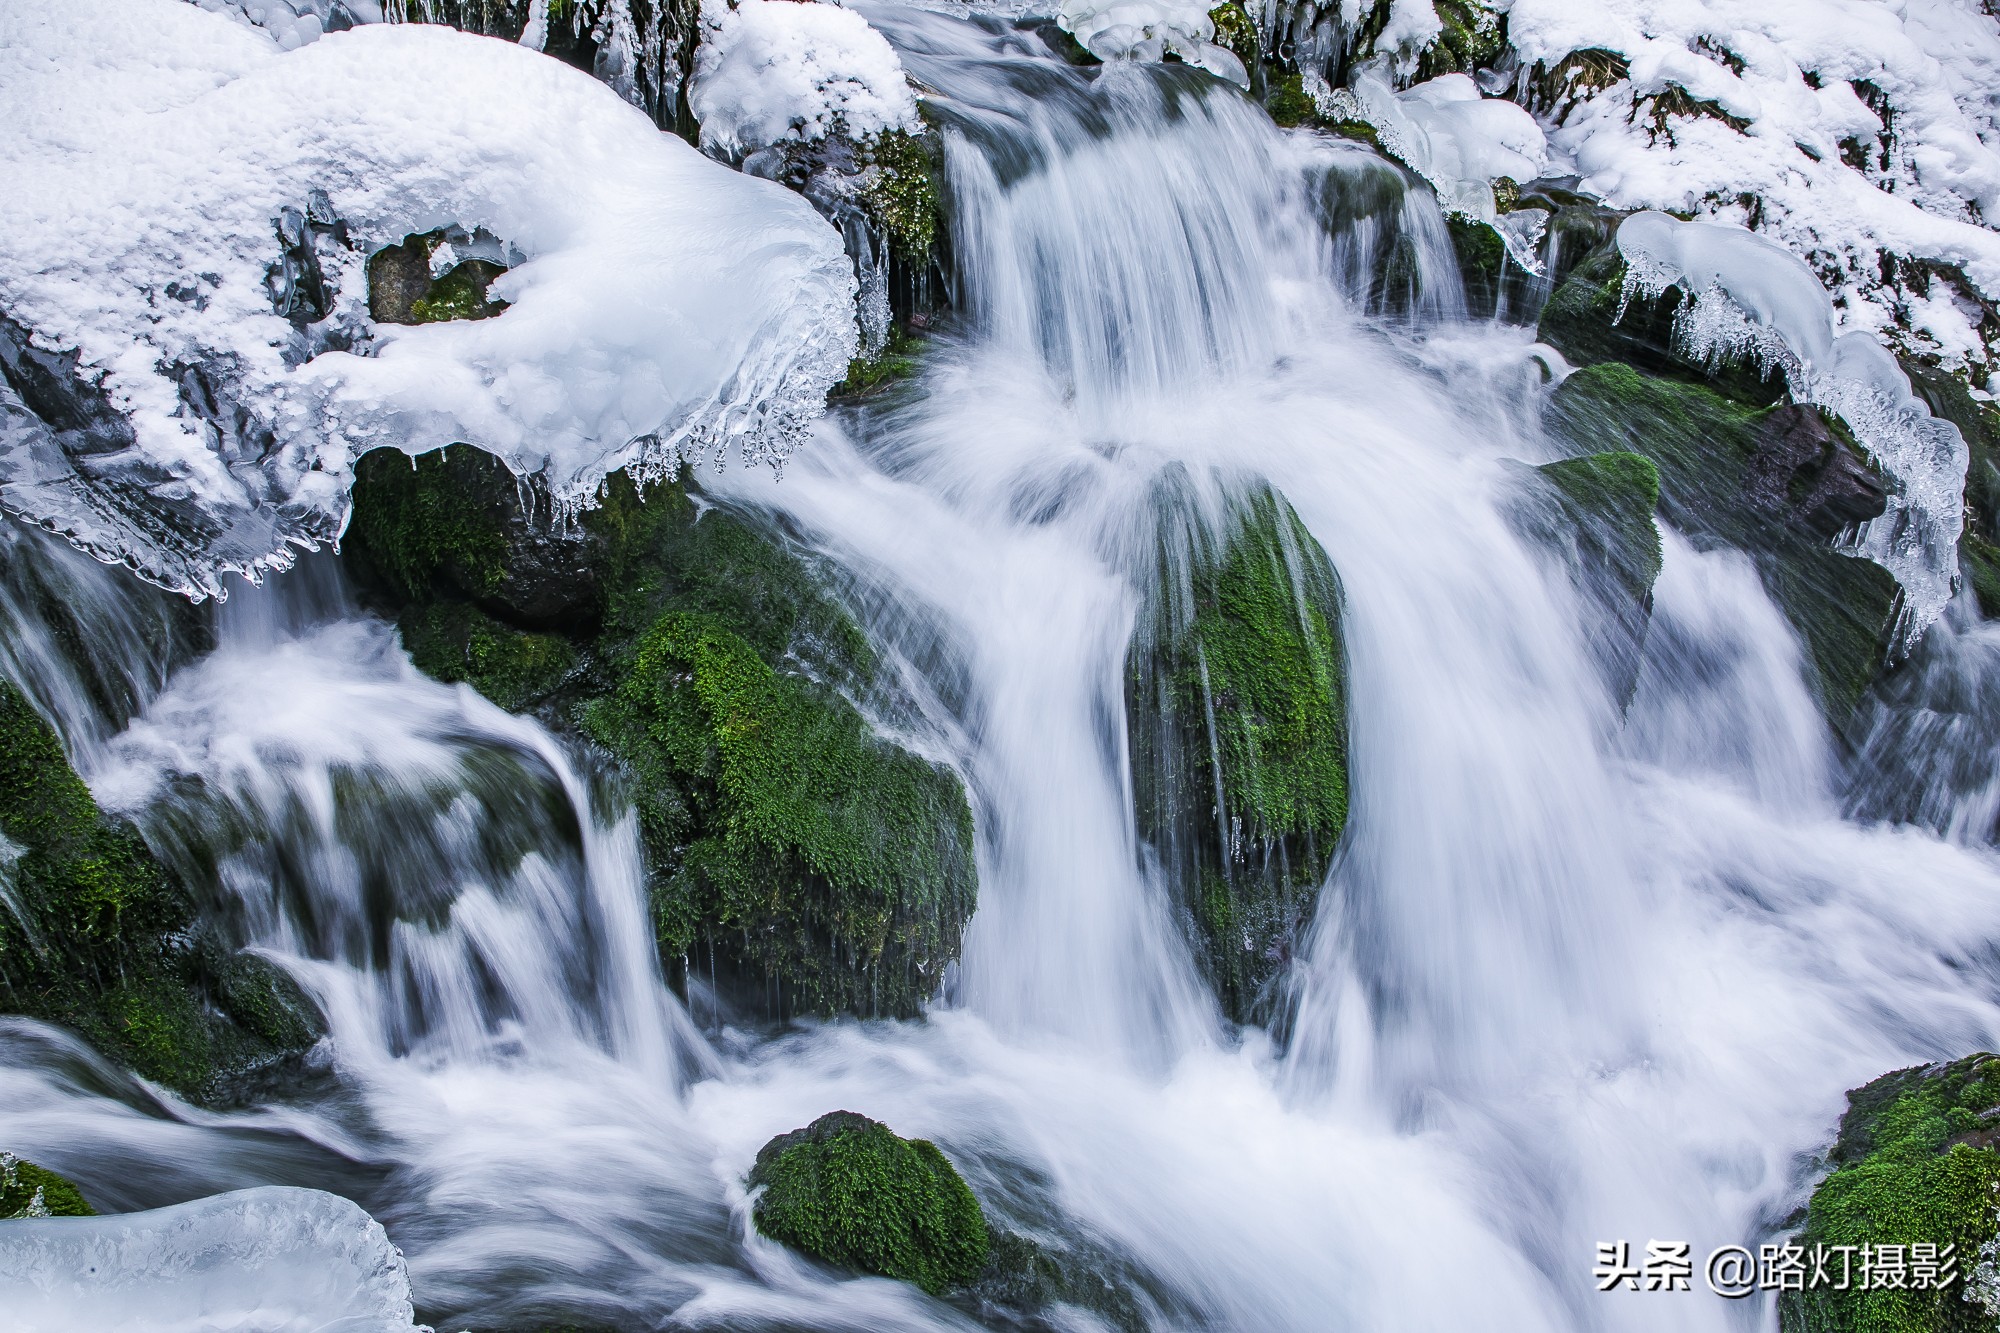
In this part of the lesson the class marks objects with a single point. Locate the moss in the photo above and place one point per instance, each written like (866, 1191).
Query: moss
(898, 360)
(848, 1191)
(459, 294)
(103, 940)
(1471, 37)
(27, 1190)
(1237, 31)
(1482, 262)
(515, 668)
(1914, 1164)
(1613, 495)
(901, 193)
(1236, 691)
(840, 861)
(796, 859)
(1289, 103)
(414, 522)
(1703, 444)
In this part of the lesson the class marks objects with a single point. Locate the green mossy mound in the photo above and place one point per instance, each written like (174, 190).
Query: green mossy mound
(847, 1191)
(27, 1190)
(1914, 1164)
(100, 938)
(1236, 694)
(1733, 474)
(795, 859)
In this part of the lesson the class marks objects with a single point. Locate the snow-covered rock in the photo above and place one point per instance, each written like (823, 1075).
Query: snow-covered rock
(1861, 134)
(1151, 30)
(1749, 296)
(773, 70)
(272, 1260)
(155, 152)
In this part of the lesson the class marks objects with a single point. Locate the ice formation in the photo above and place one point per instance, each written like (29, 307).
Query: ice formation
(270, 1260)
(1750, 297)
(1862, 135)
(769, 70)
(1460, 142)
(1151, 30)
(167, 165)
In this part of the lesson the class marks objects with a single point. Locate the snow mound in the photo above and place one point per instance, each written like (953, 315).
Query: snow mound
(1460, 142)
(1862, 134)
(271, 1260)
(161, 163)
(1151, 30)
(770, 70)
(1750, 297)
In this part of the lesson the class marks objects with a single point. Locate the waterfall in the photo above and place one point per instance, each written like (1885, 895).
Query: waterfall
(1582, 968)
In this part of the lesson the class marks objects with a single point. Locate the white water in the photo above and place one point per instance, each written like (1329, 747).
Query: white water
(1572, 980)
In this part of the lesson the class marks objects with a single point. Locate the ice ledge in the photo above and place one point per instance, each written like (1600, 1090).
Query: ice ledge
(272, 1260)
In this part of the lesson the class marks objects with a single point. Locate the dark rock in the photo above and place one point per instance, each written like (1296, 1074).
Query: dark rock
(1812, 476)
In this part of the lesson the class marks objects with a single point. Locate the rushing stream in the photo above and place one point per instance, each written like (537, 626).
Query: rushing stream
(1581, 972)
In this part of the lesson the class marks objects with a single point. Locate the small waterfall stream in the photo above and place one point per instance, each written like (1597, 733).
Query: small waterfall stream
(1577, 973)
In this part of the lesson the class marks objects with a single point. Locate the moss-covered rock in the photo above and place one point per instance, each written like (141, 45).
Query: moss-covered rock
(847, 1191)
(101, 938)
(401, 289)
(1470, 37)
(836, 864)
(1236, 694)
(1606, 503)
(1914, 1164)
(798, 861)
(1733, 474)
(1237, 31)
(27, 1190)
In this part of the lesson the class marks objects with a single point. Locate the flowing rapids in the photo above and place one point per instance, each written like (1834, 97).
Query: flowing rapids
(1579, 973)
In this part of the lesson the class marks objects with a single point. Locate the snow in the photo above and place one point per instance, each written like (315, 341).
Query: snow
(1151, 30)
(1457, 140)
(667, 304)
(771, 70)
(271, 1260)
(1922, 192)
(1749, 296)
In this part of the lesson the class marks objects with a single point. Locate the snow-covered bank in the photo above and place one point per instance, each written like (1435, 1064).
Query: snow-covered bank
(667, 305)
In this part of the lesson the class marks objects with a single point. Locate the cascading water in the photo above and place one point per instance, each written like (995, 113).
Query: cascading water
(1578, 973)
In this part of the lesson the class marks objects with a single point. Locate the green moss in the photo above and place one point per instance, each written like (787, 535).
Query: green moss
(1914, 1164)
(1471, 37)
(454, 641)
(898, 360)
(27, 1190)
(1613, 495)
(415, 521)
(842, 863)
(1288, 102)
(848, 1191)
(1702, 443)
(1237, 31)
(459, 294)
(901, 193)
(1236, 694)
(103, 940)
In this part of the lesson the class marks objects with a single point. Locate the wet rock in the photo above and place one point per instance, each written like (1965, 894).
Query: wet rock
(798, 862)
(1914, 1164)
(1728, 478)
(847, 1191)
(1236, 706)
(1811, 474)
(402, 290)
